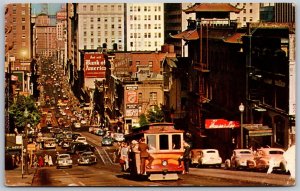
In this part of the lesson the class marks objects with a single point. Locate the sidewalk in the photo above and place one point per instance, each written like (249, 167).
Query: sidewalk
(14, 177)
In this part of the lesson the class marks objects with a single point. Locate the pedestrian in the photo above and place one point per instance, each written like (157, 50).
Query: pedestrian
(185, 157)
(124, 156)
(50, 162)
(41, 161)
(134, 158)
(46, 160)
(144, 155)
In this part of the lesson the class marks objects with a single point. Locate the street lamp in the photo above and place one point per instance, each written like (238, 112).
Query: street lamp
(26, 114)
(242, 108)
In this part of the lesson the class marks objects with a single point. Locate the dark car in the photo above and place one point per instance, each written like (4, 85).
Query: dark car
(107, 141)
(66, 142)
(75, 135)
(87, 158)
(79, 147)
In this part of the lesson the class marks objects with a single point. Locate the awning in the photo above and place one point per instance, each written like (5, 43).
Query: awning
(257, 130)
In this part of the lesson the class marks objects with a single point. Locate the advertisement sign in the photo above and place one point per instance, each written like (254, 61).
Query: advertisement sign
(94, 65)
(131, 97)
(132, 110)
(220, 123)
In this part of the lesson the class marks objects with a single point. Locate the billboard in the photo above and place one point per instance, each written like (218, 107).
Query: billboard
(94, 65)
(220, 123)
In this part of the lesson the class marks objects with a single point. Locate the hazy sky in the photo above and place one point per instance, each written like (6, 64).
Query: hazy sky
(36, 8)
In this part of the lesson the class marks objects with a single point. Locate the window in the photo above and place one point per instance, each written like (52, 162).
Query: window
(98, 7)
(140, 97)
(244, 18)
(84, 33)
(92, 40)
(153, 95)
(244, 11)
(23, 27)
(163, 142)
(99, 40)
(112, 19)
(151, 141)
(119, 7)
(176, 142)
(98, 19)
(84, 7)
(92, 19)
(91, 8)
(92, 33)
(250, 10)
(84, 26)
(92, 26)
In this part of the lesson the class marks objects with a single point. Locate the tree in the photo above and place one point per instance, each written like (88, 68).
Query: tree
(143, 120)
(23, 111)
(155, 115)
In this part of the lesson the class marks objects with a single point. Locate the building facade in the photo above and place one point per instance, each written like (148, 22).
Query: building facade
(145, 26)
(250, 12)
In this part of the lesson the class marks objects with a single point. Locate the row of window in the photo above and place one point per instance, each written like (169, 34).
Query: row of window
(106, 33)
(152, 96)
(144, 8)
(105, 19)
(146, 44)
(245, 19)
(146, 26)
(99, 26)
(146, 35)
(99, 40)
(95, 46)
(111, 7)
(146, 17)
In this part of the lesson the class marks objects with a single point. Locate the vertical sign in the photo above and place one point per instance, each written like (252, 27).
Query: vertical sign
(292, 76)
(131, 101)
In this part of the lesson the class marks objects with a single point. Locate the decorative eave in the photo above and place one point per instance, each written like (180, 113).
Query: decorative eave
(186, 35)
(212, 7)
(235, 38)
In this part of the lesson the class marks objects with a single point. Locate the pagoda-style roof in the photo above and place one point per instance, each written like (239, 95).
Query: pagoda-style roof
(212, 7)
(228, 36)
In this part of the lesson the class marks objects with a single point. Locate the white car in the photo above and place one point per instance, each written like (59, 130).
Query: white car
(64, 160)
(205, 157)
(77, 125)
(83, 122)
(81, 139)
(119, 137)
(50, 143)
(241, 158)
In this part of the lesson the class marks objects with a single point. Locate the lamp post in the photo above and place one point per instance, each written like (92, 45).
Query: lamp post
(242, 108)
(26, 114)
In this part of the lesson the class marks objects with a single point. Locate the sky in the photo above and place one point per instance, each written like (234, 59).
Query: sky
(52, 8)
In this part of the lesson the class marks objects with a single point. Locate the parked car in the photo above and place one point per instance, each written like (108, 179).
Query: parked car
(75, 135)
(205, 157)
(107, 141)
(87, 158)
(119, 137)
(241, 158)
(64, 160)
(270, 157)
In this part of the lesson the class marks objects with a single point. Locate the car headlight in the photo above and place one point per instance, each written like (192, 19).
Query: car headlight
(164, 163)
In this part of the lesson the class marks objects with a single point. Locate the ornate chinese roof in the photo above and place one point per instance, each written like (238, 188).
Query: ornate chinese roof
(212, 7)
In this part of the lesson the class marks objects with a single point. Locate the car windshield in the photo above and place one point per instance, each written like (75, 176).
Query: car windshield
(245, 153)
(64, 156)
(275, 152)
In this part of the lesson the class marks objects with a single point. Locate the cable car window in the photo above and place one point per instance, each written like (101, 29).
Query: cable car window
(163, 142)
(176, 141)
(151, 141)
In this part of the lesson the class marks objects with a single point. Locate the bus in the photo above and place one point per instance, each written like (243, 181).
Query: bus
(165, 146)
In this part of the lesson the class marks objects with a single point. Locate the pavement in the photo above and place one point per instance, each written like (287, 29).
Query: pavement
(13, 178)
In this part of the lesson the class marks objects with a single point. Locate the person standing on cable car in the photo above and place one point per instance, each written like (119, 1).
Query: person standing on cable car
(144, 154)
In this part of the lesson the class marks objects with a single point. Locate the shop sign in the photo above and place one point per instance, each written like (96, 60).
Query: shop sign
(220, 123)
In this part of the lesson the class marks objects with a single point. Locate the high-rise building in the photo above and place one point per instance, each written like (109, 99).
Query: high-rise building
(284, 12)
(145, 26)
(46, 44)
(249, 13)
(101, 25)
(18, 32)
(175, 22)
